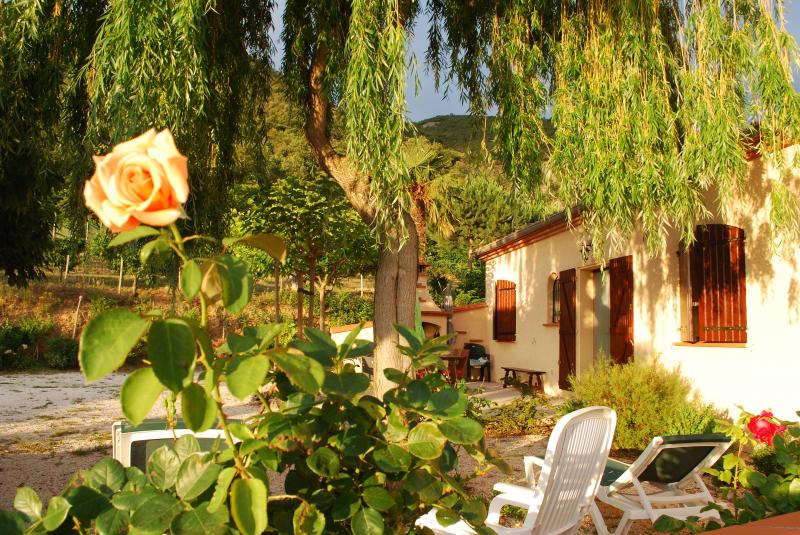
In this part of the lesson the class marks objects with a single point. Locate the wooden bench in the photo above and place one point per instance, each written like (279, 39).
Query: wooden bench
(531, 374)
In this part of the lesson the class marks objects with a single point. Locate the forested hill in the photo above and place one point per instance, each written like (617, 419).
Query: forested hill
(462, 132)
(457, 132)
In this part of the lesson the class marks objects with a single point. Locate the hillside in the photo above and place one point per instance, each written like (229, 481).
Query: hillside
(463, 133)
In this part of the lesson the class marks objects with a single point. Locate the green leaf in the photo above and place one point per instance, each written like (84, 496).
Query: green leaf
(130, 501)
(474, 511)
(323, 462)
(307, 520)
(345, 506)
(392, 458)
(86, 503)
(185, 446)
(378, 498)
(418, 393)
(240, 430)
(367, 522)
(396, 428)
(162, 468)
(304, 372)
(57, 510)
(196, 474)
(201, 521)
(395, 376)
(461, 430)
(236, 283)
(191, 277)
(107, 476)
(156, 514)
(171, 349)
(199, 410)
(12, 522)
(220, 495)
(112, 522)
(27, 501)
(410, 336)
(273, 245)
(139, 232)
(422, 484)
(426, 441)
(345, 384)
(106, 341)
(245, 374)
(249, 505)
(158, 246)
(139, 393)
(264, 333)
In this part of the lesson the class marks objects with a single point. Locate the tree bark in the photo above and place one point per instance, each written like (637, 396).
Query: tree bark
(323, 282)
(300, 297)
(312, 279)
(396, 279)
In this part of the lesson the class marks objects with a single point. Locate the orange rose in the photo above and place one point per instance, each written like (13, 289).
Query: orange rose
(144, 180)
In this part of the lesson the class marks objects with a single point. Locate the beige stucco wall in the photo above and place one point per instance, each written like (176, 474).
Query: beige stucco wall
(763, 374)
(472, 324)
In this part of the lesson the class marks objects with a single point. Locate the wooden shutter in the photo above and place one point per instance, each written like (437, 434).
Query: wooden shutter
(713, 286)
(566, 328)
(505, 310)
(621, 294)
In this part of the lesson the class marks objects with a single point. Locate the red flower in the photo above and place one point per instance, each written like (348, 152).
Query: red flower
(764, 427)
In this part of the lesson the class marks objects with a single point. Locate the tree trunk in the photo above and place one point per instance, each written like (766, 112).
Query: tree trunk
(395, 296)
(312, 279)
(300, 298)
(322, 284)
(396, 280)
(277, 292)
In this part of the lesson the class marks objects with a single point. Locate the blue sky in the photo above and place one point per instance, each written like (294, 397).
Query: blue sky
(428, 102)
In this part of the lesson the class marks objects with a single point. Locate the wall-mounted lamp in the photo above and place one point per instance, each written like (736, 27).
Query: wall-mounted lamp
(586, 251)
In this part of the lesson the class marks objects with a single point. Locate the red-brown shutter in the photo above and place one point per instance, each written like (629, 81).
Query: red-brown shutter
(718, 284)
(621, 294)
(505, 310)
(567, 358)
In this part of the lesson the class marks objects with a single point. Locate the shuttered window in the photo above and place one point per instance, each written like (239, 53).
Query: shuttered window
(712, 282)
(505, 311)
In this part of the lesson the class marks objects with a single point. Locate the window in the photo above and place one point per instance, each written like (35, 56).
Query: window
(553, 300)
(712, 286)
(505, 311)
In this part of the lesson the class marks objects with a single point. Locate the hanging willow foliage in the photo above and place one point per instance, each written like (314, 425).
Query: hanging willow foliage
(374, 105)
(653, 103)
(194, 66)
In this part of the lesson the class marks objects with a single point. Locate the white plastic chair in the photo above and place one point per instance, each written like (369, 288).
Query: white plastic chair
(668, 465)
(571, 470)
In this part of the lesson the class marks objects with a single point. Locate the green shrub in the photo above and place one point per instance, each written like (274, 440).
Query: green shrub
(20, 343)
(62, 353)
(99, 303)
(764, 459)
(345, 308)
(649, 399)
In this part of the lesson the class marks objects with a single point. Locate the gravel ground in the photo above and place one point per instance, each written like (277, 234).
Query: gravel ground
(52, 425)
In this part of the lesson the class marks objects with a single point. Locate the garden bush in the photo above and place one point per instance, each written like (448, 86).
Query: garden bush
(520, 417)
(21, 343)
(649, 399)
(345, 308)
(61, 353)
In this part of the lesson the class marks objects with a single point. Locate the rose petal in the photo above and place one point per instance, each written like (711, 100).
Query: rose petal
(137, 144)
(161, 218)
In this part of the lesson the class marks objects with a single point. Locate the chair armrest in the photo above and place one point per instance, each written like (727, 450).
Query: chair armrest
(520, 493)
(529, 461)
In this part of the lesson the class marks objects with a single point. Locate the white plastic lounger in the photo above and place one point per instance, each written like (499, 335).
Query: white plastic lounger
(571, 470)
(667, 464)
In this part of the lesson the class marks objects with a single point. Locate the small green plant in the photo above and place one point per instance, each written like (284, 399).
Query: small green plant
(650, 400)
(345, 308)
(520, 417)
(99, 303)
(61, 353)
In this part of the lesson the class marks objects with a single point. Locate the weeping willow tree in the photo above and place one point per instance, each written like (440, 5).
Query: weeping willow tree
(653, 103)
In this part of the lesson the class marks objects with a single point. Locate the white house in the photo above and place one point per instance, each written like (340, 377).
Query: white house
(727, 311)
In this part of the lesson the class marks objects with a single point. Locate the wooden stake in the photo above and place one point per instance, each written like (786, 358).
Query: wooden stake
(66, 268)
(121, 268)
(362, 283)
(77, 311)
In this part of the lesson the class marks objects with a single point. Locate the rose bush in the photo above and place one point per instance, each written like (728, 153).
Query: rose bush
(144, 180)
(754, 495)
(350, 462)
